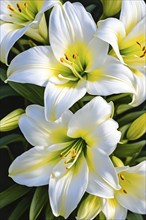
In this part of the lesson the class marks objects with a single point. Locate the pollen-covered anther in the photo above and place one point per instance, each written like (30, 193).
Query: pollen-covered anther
(62, 59)
(66, 57)
(25, 4)
(122, 177)
(10, 7)
(144, 53)
(74, 56)
(18, 6)
(124, 191)
(138, 43)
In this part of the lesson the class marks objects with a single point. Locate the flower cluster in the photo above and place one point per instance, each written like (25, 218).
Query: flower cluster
(83, 67)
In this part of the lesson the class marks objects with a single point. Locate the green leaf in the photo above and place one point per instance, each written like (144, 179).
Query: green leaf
(134, 216)
(10, 139)
(7, 91)
(20, 209)
(8, 150)
(33, 93)
(3, 75)
(11, 194)
(90, 8)
(39, 200)
(125, 150)
(123, 108)
(48, 213)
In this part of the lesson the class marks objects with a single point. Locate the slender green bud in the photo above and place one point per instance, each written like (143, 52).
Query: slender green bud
(111, 7)
(10, 121)
(138, 128)
(117, 162)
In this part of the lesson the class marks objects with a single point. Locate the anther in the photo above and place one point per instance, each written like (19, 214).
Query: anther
(124, 191)
(62, 59)
(122, 177)
(143, 48)
(10, 8)
(19, 9)
(61, 155)
(138, 43)
(143, 54)
(25, 4)
(66, 57)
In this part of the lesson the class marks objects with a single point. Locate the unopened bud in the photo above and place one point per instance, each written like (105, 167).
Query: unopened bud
(138, 128)
(117, 162)
(10, 121)
(111, 7)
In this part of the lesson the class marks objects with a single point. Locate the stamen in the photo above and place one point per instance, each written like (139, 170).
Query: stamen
(143, 48)
(10, 7)
(25, 4)
(124, 191)
(19, 9)
(144, 53)
(62, 59)
(66, 57)
(138, 43)
(122, 177)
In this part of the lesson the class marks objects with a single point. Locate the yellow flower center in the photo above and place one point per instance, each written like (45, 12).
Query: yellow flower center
(22, 12)
(70, 154)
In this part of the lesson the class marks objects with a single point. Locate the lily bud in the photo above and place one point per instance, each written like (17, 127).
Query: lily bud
(10, 121)
(137, 128)
(117, 162)
(111, 7)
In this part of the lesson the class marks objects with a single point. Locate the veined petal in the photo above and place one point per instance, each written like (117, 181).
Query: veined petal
(113, 210)
(140, 95)
(39, 66)
(95, 112)
(66, 192)
(40, 132)
(10, 33)
(112, 31)
(69, 23)
(33, 167)
(90, 207)
(102, 175)
(132, 194)
(59, 98)
(98, 53)
(131, 13)
(105, 136)
(112, 78)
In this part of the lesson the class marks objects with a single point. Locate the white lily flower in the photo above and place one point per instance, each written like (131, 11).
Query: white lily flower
(131, 196)
(74, 64)
(71, 154)
(127, 35)
(22, 17)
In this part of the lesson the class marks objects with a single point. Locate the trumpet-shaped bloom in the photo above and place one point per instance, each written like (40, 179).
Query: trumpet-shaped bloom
(70, 154)
(19, 18)
(127, 35)
(74, 64)
(131, 196)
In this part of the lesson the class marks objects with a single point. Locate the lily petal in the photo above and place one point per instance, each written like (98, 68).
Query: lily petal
(112, 78)
(131, 13)
(86, 119)
(66, 192)
(106, 136)
(59, 98)
(39, 59)
(69, 23)
(102, 175)
(33, 168)
(132, 194)
(113, 210)
(10, 33)
(38, 131)
(112, 31)
(90, 207)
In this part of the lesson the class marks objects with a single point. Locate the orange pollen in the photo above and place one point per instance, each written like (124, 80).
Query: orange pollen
(10, 8)
(122, 177)
(144, 53)
(124, 191)
(25, 4)
(61, 155)
(66, 57)
(18, 6)
(62, 59)
(138, 43)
